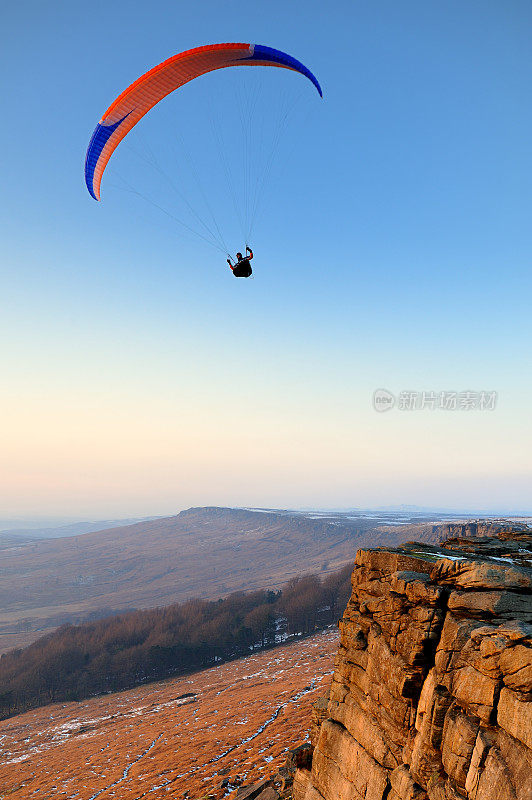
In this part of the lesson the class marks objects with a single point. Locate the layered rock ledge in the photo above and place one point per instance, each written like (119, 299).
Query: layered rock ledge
(432, 692)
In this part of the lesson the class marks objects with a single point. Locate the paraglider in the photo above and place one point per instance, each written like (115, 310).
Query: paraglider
(242, 268)
(142, 95)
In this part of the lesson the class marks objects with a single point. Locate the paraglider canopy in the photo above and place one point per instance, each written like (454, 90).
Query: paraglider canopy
(129, 107)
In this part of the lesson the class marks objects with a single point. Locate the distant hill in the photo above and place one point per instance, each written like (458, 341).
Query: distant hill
(65, 529)
(8, 539)
(202, 552)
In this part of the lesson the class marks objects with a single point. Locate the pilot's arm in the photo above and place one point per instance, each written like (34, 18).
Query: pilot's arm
(250, 251)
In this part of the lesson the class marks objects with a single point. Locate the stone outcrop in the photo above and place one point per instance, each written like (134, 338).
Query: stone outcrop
(483, 528)
(263, 790)
(431, 697)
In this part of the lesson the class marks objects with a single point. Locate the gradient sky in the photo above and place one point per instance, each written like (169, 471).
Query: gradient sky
(393, 251)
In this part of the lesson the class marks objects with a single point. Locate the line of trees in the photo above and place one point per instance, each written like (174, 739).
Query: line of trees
(124, 650)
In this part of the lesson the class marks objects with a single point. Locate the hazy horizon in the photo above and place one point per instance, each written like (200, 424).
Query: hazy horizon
(25, 523)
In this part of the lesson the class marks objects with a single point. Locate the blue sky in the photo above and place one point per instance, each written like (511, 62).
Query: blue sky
(393, 250)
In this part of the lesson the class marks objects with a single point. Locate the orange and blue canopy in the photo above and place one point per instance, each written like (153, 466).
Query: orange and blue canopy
(129, 107)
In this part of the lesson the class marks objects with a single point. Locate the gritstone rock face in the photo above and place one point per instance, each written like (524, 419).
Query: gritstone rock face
(432, 693)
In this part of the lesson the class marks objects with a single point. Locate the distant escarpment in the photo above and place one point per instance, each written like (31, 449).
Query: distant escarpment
(483, 529)
(202, 552)
(432, 692)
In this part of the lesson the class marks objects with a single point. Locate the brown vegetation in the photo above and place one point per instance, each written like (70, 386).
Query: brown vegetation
(122, 651)
(200, 734)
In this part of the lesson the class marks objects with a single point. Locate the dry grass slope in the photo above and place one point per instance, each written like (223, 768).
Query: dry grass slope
(230, 723)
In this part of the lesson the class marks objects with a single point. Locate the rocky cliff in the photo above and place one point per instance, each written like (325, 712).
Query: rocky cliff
(432, 692)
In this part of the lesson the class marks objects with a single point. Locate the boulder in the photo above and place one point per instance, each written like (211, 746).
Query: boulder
(514, 715)
(255, 791)
(481, 575)
(458, 742)
(343, 770)
(403, 785)
(268, 794)
(495, 781)
(484, 605)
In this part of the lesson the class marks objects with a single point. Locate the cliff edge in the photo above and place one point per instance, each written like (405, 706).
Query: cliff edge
(432, 691)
